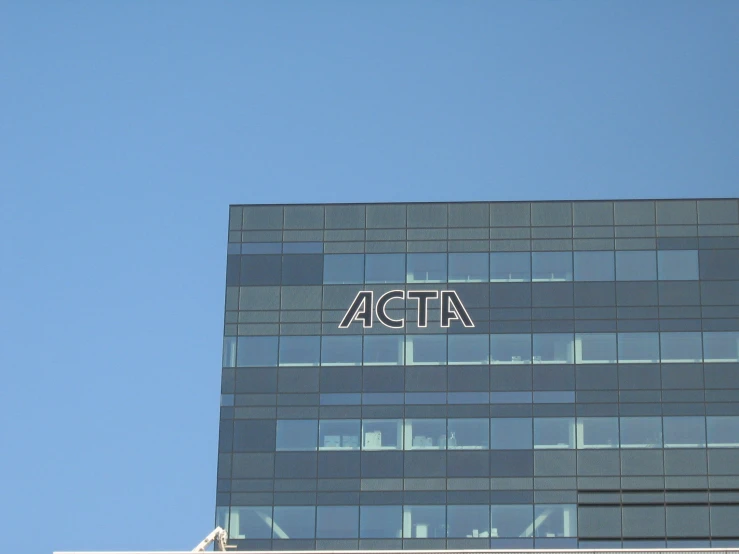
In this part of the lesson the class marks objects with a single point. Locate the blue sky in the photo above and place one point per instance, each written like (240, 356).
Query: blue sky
(127, 128)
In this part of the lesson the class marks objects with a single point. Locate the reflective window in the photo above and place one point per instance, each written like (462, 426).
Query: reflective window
(297, 434)
(382, 434)
(339, 269)
(595, 348)
(513, 397)
(468, 521)
(723, 431)
(684, 432)
(597, 432)
(594, 266)
(551, 266)
(677, 265)
(468, 268)
(636, 265)
(256, 351)
(425, 349)
(425, 398)
(554, 397)
(511, 433)
(338, 434)
(554, 432)
(512, 520)
(638, 348)
(425, 434)
(468, 434)
(302, 269)
(376, 398)
(294, 522)
(302, 248)
(300, 350)
(553, 348)
(681, 347)
(337, 522)
(383, 350)
(380, 522)
(555, 520)
(384, 268)
(467, 398)
(641, 432)
(252, 522)
(426, 268)
(341, 399)
(721, 346)
(510, 349)
(229, 352)
(261, 248)
(424, 522)
(510, 266)
(468, 349)
(260, 270)
(341, 350)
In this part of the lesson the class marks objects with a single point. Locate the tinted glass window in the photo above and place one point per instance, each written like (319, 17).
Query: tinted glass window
(256, 351)
(721, 347)
(638, 347)
(341, 350)
(681, 347)
(380, 522)
(595, 348)
(513, 520)
(425, 349)
(553, 348)
(468, 268)
(297, 434)
(250, 521)
(510, 349)
(425, 434)
(555, 520)
(343, 269)
(294, 522)
(302, 269)
(552, 266)
(684, 432)
(468, 349)
(383, 350)
(554, 432)
(384, 268)
(338, 434)
(300, 350)
(426, 268)
(723, 431)
(597, 432)
(424, 522)
(510, 266)
(511, 433)
(302, 247)
(337, 522)
(636, 266)
(468, 434)
(468, 521)
(641, 432)
(260, 270)
(382, 434)
(594, 266)
(677, 265)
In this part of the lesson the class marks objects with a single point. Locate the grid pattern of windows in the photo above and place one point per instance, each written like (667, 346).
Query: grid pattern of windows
(593, 404)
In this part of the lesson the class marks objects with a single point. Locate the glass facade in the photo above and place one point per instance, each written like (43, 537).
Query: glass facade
(593, 402)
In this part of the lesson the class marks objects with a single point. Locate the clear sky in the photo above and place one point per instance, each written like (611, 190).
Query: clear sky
(127, 128)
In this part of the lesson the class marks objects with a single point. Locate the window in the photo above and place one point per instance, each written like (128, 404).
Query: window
(426, 268)
(553, 348)
(256, 351)
(297, 434)
(510, 266)
(641, 432)
(721, 346)
(552, 266)
(384, 268)
(681, 347)
(510, 349)
(468, 349)
(380, 522)
(302, 248)
(512, 520)
(294, 522)
(468, 521)
(723, 431)
(338, 350)
(595, 348)
(295, 350)
(424, 522)
(511, 433)
(338, 434)
(468, 268)
(302, 269)
(684, 432)
(425, 434)
(468, 434)
(555, 520)
(677, 265)
(337, 522)
(229, 352)
(597, 432)
(425, 349)
(339, 269)
(383, 350)
(250, 522)
(638, 348)
(554, 432)
(594, 266)
(382, 434)
(636, 266)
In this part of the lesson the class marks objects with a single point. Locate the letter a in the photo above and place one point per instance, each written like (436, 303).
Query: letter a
(452, 308)
(361, 309)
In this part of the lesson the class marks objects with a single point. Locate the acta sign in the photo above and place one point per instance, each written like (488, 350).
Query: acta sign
(363, 308)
